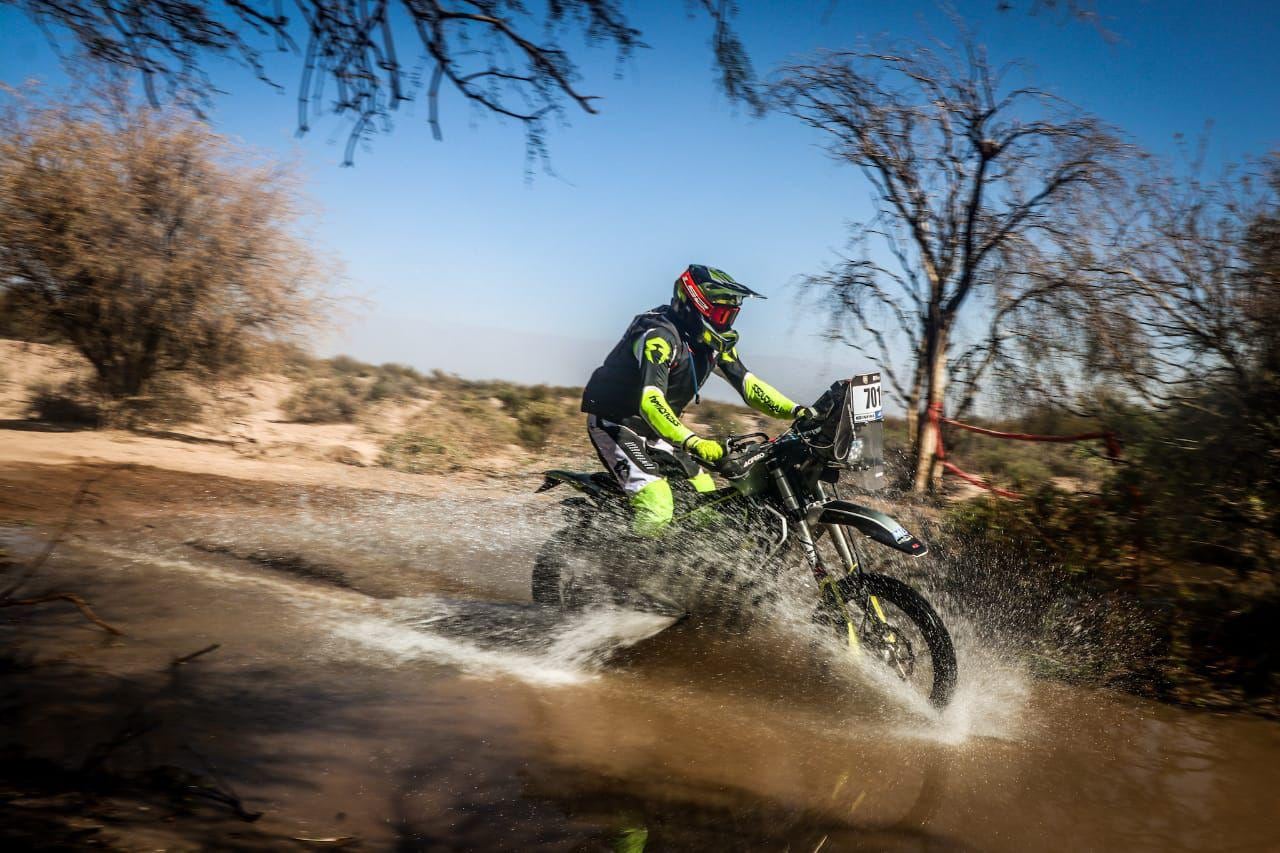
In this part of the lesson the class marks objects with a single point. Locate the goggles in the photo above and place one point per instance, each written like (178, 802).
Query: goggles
(720, 316)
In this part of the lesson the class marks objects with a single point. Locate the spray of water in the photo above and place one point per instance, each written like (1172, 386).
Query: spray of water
(482, 547)
(567, 650)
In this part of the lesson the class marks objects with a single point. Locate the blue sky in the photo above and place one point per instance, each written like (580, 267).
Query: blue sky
(467, 266)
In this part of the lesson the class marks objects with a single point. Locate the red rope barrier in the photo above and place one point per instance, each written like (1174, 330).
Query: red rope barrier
(981, 483)
(936, 416)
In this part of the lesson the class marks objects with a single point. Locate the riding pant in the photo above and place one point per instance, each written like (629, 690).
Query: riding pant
(625, 453)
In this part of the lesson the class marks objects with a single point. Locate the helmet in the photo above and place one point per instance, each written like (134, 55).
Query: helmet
(707, 301)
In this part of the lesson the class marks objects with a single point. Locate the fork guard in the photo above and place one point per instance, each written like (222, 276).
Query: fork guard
(874, 524)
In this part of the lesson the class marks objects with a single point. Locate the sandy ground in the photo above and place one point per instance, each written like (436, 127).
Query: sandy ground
(242, 433)
(45, 445)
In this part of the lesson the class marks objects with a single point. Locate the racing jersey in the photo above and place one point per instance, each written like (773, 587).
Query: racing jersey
(653, 373)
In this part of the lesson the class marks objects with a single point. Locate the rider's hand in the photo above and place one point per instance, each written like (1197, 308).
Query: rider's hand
(704, 449)
(802, 413)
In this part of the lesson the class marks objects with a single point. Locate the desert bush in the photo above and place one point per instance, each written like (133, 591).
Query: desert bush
(168, 401)
(413, 452)
(345, 365)
(1090, 588)
(395, 382)
(72, 402)
(338, 389)
(325, 401)
(536, 420)
(147, 241)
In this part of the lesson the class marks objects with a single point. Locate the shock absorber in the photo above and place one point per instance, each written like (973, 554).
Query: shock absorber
(803, 535)
(788, 495)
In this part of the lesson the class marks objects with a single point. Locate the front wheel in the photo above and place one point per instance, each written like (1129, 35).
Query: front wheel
(881, 616)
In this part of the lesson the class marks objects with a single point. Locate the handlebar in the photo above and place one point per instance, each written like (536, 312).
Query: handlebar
(734, 443)
(740, 449)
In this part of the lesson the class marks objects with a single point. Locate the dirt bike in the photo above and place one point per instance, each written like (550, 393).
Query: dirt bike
(783, 492)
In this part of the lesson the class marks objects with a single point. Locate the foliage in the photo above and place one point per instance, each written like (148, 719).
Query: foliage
(325, 401)
(1170, 305)
(1026, 466)
(339, 389)
(1182, 540)
(145, 240)
(1086, 588)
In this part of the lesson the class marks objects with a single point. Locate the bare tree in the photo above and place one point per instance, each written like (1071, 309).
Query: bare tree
(973, 181)
(1181, 285)
(506, 57)
(146, 240)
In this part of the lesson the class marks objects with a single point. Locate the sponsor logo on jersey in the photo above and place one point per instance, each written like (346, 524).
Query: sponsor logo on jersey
(657, 350)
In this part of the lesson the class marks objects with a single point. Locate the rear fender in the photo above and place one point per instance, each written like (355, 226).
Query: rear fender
(874, 524)
(583, 483)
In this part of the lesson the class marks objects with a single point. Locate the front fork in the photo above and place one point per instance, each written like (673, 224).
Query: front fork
(832, 596)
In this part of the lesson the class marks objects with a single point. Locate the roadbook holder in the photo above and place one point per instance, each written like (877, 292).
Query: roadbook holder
(849, 430)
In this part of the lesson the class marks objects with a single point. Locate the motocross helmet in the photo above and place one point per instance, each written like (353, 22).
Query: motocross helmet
(707, 301)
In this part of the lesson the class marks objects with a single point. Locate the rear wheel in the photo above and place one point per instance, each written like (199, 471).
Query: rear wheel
(554, 578)
(882, 617)
(567, 571)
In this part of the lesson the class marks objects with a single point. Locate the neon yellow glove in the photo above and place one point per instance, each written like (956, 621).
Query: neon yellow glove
(704, 449)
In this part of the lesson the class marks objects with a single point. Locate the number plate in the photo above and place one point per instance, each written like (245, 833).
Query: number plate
(867, 403)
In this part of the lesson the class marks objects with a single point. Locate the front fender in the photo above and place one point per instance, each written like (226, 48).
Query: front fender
(874, 524)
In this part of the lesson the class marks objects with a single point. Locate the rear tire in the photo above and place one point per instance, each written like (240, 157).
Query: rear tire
(942, 653)
(546, 586)
(567, 570)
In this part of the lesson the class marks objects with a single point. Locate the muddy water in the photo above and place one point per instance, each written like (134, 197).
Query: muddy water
(390, 681)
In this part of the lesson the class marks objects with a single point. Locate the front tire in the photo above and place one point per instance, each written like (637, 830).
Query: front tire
(874, 625)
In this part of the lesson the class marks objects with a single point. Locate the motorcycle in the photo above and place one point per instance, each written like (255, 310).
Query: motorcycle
(782, 494)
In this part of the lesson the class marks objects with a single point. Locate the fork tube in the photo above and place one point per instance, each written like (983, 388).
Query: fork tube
(803, 533)
(841, 541)
(805, 537)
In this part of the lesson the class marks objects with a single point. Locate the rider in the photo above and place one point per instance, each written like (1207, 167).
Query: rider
(634, 400)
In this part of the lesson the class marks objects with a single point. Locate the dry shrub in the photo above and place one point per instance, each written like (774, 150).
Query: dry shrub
(535, 423)
(168, 402)
(150, 243)
(325, 401)
(414, 453)
(72, 402)
(339, 389)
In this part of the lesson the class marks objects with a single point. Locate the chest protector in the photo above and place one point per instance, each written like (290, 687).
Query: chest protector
(613, 392)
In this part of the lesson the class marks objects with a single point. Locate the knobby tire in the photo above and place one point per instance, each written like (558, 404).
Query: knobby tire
(942, 652)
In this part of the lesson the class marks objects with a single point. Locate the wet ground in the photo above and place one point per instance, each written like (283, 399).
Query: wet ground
(382, 677)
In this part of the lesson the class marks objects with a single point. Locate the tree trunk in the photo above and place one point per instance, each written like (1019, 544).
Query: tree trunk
(913, 404)
(928, 467)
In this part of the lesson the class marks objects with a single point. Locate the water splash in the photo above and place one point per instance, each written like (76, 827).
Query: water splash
(536, 644)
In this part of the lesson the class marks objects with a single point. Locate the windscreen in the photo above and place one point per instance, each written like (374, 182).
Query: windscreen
(867, 465)
(850, 435)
